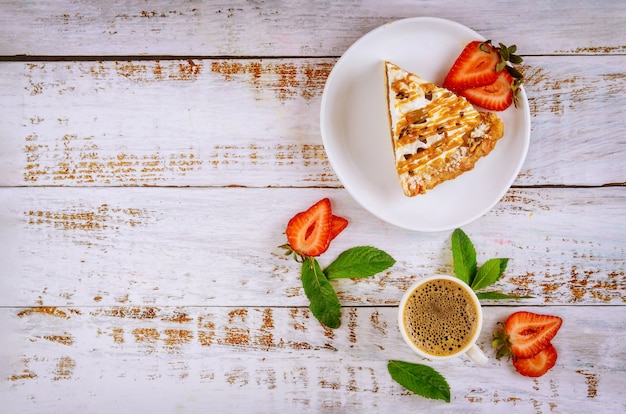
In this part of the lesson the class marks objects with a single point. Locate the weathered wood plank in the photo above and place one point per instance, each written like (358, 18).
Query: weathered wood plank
(163, 123)
(256, 123)
(120, 290)
(267, 359)
(218, 247)
(300, 28)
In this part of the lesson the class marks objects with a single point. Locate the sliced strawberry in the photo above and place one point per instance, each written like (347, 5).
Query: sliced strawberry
(525, 334)
(308, 232)
(475, 66)
(337, 224)
(537, 365)
(494, 97)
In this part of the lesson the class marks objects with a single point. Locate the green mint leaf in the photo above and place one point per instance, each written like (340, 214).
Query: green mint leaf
(463, 256)
(325, 304)
(420, 379)
(359, 262)
(498, 295)
(489, 273)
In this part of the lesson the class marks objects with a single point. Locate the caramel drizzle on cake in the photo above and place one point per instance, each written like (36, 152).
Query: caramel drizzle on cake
(435, 133)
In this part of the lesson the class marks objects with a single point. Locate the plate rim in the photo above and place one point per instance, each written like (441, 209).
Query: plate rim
(526, 131)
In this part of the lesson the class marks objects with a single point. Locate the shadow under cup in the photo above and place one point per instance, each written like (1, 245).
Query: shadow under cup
(440, 317)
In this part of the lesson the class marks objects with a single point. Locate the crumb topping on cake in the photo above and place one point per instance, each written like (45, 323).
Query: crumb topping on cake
(436, 134)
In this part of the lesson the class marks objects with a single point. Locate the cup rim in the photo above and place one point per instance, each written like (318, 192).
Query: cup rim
(405, 335)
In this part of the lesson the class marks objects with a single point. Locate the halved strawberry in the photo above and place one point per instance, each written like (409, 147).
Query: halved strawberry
(309, 232)
(484, 75)
(537, 365)
(494, 97)
(525, 334)
(337, 224)
(475, 66)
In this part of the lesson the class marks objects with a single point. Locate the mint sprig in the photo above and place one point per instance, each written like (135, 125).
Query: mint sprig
(498, 295)
(325, 304)
(357, 262)
(463, 256)
(420, 379)
(478, 278)
(489, 273)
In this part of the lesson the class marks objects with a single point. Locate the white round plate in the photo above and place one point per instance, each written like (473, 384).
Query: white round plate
(355, 128)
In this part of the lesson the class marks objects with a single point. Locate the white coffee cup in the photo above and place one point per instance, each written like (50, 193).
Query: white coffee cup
(445, 301)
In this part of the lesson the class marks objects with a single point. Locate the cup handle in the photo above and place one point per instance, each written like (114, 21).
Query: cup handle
(477, 355)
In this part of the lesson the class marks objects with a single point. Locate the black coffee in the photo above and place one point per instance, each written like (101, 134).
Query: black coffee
(440, 317)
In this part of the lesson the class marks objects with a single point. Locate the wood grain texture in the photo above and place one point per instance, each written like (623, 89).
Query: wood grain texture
(152, 152)
(212, 123)
(218, 247)
(296, 28)
(248, 359)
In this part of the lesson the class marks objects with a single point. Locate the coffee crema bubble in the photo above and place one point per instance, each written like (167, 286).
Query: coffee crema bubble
(440, 317)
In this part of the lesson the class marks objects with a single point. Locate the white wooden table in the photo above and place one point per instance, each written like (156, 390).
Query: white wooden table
(152, 152)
